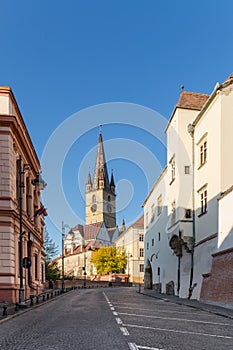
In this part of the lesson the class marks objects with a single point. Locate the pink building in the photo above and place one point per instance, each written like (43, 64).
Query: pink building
(21, 212)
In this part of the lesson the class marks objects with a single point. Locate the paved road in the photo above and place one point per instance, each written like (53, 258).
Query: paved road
(115, 318)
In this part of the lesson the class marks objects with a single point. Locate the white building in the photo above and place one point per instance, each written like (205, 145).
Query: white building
(132, 240)
(198, 172)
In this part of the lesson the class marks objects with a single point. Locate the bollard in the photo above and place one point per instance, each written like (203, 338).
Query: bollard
(31, 300)
(4, 312)
(16, 307)
(47, 296)
(51, 294)
(37, 299)
(43, 298)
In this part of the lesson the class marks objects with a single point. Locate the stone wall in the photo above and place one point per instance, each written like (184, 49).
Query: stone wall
(217, 286)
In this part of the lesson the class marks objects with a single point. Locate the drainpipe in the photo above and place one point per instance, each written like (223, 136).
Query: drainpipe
(191, 129)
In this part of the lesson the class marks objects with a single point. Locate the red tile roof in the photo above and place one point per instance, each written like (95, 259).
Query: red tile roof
(91, 230)
(192, 100)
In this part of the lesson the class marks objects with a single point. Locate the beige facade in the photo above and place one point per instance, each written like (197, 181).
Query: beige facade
(132, 240)
(19, 167)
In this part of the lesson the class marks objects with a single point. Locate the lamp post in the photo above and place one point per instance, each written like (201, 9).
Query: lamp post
(84, 268)
(41, 184)
(128, 256)
(21, 185)
(191, 129)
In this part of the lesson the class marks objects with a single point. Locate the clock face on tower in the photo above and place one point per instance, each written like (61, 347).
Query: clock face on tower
(93, 208)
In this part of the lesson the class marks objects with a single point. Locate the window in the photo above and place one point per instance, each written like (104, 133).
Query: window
(141, 267)
(158, 271)
(202, 144)
(159, 236)
(28, 196)
(141, 237)
(203, 200)
(187, 169)
(159, 204)
(152, 242)
(18, 170)
(173, 169)
(36, 266)
(147, 245)
(188, 213)
(141, 252)
(93, 198)
(152, 213)
(109, 198)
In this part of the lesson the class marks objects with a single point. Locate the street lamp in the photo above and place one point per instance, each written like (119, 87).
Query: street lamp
(128, 256)
(41, 184)
(64, 226)
(191, 129)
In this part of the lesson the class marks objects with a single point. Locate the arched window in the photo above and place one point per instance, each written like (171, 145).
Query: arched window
(93, 198)
(109, 198)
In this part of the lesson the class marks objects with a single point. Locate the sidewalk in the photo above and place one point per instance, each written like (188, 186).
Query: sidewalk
(225, 310)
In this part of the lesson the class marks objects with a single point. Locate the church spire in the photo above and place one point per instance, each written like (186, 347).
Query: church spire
(112, 183)
(89, 182)
(101, 179)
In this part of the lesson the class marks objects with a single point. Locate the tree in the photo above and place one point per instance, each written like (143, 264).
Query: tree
(51, 248)
(109, 260)
(52, 271)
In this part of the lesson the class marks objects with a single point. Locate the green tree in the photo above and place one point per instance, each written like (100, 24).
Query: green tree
(109, 260)
(51, 250)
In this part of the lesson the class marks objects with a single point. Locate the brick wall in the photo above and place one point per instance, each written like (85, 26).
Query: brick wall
(217, 286)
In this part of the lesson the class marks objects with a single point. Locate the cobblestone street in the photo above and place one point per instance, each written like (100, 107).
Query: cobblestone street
(116, 318)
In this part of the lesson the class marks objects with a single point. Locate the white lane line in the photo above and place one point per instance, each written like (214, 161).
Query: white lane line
(115, 313)
(124, 330)
(176, 331)
(109, 304)
(112, 308)
(118, 320)
(176, 319)
(106, 297)
(133, 346)
(148, 348)
(163, 311)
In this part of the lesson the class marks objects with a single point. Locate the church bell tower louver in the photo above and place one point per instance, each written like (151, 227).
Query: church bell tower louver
(100, 193)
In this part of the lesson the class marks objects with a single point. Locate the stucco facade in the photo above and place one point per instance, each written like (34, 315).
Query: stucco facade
(199, 137)
(20, 166)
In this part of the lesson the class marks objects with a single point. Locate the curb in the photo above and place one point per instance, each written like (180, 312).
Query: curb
(30, 308)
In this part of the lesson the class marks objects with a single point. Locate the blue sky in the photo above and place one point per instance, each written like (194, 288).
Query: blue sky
(62, 57)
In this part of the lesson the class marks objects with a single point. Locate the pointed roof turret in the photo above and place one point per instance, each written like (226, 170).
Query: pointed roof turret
(123, 227)
(89, 182)
(112, 183)
(101, 172)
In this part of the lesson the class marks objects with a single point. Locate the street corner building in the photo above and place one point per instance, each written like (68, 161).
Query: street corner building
(21, 211)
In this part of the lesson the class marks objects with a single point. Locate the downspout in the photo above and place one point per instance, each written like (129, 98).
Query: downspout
(191, 129)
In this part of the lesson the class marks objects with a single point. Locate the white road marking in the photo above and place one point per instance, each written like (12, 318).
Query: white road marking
(118, 320)
(163, 311)
(112, 308)
(109, 304)
(115, 313)
(176, 319)
(133, 346)
(176, 331)
(106, 297)
(124, 330)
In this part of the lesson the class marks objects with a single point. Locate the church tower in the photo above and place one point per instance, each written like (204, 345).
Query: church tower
(100, 193)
